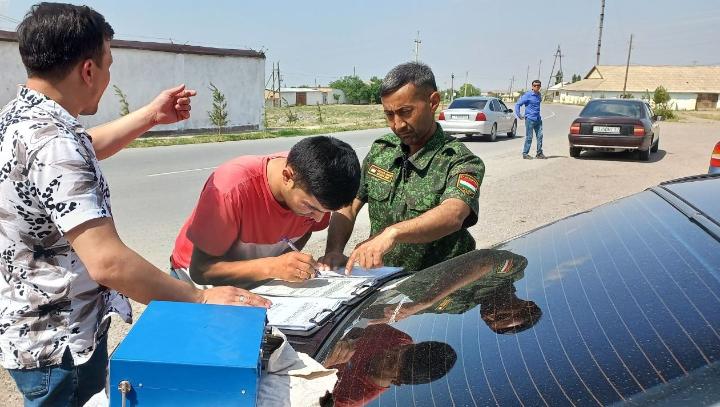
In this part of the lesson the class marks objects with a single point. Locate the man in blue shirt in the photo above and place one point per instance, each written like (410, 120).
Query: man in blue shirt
(531, 100)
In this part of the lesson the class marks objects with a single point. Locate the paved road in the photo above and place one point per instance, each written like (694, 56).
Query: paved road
(154, 189)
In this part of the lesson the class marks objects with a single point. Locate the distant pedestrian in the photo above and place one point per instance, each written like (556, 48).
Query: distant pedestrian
(533, 121)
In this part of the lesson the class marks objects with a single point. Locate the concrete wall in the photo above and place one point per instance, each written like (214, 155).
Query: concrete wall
(678, 101)
(142, 74)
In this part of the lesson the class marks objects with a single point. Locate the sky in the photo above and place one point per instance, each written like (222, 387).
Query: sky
(487, 42)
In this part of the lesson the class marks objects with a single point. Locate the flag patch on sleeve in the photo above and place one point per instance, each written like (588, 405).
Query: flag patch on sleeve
(467, 184)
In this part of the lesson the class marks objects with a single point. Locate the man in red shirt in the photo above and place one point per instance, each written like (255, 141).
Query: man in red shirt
(251, 205)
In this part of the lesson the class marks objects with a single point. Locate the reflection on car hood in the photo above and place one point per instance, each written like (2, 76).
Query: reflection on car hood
(599, 308)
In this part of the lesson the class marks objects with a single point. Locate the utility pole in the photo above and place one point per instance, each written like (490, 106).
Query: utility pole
(465, 85)
(279, 93)
(557, 55)
(417, 46)
(354, 71)
(273, 86)
(452, 89)
(602, 17)
(539, 65)
(512, 81)
(527, 74)
(627, 67)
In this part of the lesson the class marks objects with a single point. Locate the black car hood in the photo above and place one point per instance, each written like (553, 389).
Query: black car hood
(599, 308)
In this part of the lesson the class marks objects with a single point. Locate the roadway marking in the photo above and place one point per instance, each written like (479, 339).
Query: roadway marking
(180, 172)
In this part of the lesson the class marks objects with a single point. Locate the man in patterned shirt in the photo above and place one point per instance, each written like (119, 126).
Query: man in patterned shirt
(64, 269)
(420, 185)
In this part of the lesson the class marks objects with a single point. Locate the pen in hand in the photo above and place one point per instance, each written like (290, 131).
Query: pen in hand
(294, 248)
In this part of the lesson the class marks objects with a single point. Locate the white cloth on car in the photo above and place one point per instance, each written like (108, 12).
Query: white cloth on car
(294, 379)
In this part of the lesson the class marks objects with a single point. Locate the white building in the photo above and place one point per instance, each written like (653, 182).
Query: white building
(689, 87)
(142, 69)
(306, 96)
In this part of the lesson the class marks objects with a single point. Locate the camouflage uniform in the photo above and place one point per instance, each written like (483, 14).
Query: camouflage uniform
(398, 188)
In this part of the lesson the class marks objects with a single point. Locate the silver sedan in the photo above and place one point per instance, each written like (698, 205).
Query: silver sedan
(486, 116)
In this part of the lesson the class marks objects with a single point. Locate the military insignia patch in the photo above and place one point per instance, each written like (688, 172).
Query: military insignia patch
(467, 184)
(380, 173)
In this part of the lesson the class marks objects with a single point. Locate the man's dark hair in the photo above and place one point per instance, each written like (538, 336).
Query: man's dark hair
(425, 362)
(416, 73)
(327, 168)
(54, 37)
(537, 81)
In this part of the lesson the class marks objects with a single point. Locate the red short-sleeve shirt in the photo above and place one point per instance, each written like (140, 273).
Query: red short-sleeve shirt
(237, 216)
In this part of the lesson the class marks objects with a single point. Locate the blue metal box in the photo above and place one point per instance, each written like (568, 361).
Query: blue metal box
(181, 354)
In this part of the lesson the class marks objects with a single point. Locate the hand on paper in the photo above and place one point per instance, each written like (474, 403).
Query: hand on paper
(369, 254)
(293, 266)
(331, 261)
(232, 296)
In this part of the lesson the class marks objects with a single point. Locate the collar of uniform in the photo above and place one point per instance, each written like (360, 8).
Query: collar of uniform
(34, 98)
(422, 158)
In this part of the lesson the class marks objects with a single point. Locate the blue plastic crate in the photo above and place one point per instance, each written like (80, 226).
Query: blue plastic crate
(181, 354)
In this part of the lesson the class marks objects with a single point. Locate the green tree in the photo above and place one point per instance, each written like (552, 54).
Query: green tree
(219, 113)
(558, 77)
(356, 91)
(576, 77)
(374, 89)
(661, 96)
(467, 89)
(124, 105)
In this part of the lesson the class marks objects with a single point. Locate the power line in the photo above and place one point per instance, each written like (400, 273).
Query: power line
(12, 20)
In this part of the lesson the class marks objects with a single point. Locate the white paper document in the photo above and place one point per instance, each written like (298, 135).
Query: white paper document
(299, 313)
(320, 287)
(376, 273)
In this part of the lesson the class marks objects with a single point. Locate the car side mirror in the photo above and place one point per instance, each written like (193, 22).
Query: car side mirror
(509, 111)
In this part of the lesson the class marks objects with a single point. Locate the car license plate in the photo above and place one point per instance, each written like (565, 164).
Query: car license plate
(606, 129)
(460, 116)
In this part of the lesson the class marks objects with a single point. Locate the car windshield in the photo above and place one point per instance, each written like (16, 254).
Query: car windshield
(595, 309)
(468, 104)
(605, 108)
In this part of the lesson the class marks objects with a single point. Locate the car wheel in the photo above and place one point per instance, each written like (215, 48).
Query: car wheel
(513, 130)
(575, 151)
(493, 133)
(644, 155)
(655, 146)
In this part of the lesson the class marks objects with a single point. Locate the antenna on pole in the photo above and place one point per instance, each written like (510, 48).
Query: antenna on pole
(602, 17)
(417, 46)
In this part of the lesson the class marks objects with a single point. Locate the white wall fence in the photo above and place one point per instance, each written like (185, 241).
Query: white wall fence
(141, 74)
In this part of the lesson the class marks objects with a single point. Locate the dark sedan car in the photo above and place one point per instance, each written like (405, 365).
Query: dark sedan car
(615, 125)
(617, 305)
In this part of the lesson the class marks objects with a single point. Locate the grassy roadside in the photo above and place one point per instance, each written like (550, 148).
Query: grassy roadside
(689, 115)
(288, 122)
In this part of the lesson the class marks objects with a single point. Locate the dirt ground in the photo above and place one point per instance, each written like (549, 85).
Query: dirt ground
(519, 195)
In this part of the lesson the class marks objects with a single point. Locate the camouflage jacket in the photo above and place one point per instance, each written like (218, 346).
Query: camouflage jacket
(50, 182)
(397, 188)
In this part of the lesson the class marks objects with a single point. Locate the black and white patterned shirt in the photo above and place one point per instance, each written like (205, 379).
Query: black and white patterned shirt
(50, 182)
